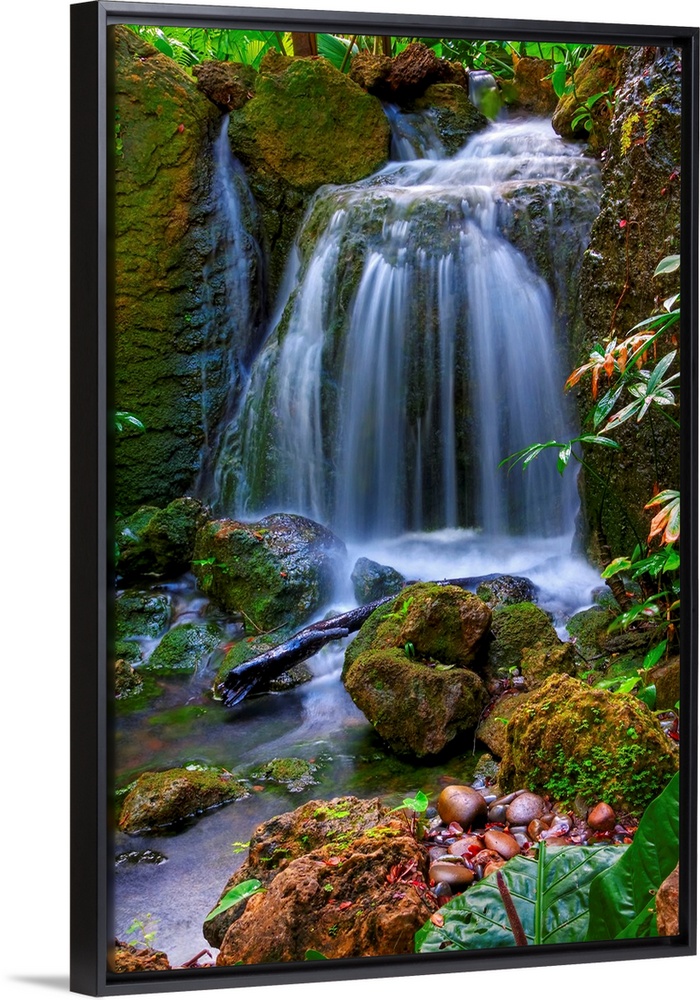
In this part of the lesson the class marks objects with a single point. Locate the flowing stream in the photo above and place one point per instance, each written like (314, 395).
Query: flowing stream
(417, 342)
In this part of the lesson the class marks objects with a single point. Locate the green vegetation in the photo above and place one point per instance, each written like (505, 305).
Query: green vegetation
(239, 893)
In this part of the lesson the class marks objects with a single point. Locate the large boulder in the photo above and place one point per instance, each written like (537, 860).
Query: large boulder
(175, 349)
(275, 572)
(598, 74)
(184, 647)
(533, 85)
(407, 668)
(163, 798)
(406, 76)
(280, 840)
(159, 542)
(516, 627)
(342, 905)
(492, 730)
(371, 581)
(452, 113)
(228, 84)
(569, 739)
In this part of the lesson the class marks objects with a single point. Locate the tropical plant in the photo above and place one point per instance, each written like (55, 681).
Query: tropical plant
(124, 419)
(142, 931)
(414, 808)
(241, 892)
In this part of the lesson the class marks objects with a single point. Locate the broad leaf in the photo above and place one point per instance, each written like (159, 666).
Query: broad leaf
(244, 890)
(622, 899)
(550, 893)
(668, 264)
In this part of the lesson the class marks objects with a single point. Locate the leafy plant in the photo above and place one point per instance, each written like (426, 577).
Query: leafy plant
(124, 419)
(415, 807)
(402, 613)
(239, 893)
(584, 113)
(141, 932)
(312, 955)
(550, 893)
(621, 899)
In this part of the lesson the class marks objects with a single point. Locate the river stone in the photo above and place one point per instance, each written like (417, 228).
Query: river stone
(456, 875)
(141, 613)
(302, 907)
(461, 804)
(162, 798)
(125, 957)
(184, 648)
(497, 813)
(524, 809)
(601, 817)
(294, 772)
(461, 846)
(371, 581)
(452, 114)
(667, 905)
(569, 738)
(276, 571)
(502, 842)
(499, 591)
(515, 628)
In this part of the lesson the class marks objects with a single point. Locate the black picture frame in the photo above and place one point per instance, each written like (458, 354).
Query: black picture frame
(91, 290)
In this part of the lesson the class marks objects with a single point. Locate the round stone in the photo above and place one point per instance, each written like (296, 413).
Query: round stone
(601, 817)
(502, 843)
(441, 889)
(461, 804)
(535, 828)
(462, 845)
(453, 874)
(497, 813)
(523, 809)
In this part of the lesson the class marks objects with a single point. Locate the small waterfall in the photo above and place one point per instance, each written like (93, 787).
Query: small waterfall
(413, 136)
(419, 347)
(484, 93)
(234, 291)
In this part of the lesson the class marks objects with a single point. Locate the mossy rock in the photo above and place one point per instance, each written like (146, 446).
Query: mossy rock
(127, 682)
(275, 572)
(515, 628)
(246, 649)
(160, 799)
(228, 84)
(590, 630)
(159, 541)
(416, 709)
(598, 72)
(486, 770)
(454, 116)
(667, 678)
(294, 772)
(570, 739)
(498, 591)
(184, 647)
(533, 88)
(542, 660)
(334, 824)
(492, 730)
(125, 649)
(371, 581)
(141, 613)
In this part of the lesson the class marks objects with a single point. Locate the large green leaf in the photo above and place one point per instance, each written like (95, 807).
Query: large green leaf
(622, 899)
(244, 890)
(550, 893)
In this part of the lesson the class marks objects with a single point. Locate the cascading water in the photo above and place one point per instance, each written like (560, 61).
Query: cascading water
(420, 346)
(413, 136)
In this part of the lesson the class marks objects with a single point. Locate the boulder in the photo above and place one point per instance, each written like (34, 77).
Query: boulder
(163, 798)
(492, 730)
(125, 957)
(667, 905)
(282, 839)
(541, 661)
(127, 682)
(570, 739)
(228, 84)
(295, 773)
(452, 113)
(407, 76)
(275, 572)
(498, 591)
(341, 905)
(184, 647)
(141, 613)
(667, 678)
(532, 84)
(371, 581)
(589, 630)
(159, 542)
(599, 73)
(517, 627)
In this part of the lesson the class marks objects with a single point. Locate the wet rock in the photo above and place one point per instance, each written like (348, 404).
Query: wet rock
(589, 629)
(442, 890)
(141, 613)
(515, 628)
(501, 842)
(535, 828)
(457, 876)
(407, 76)
(523, 809)
(492, 730)
(129, 858)
(667, 678)
(295, 773)
(127, 682)
(599, 72)
(184, 648)
(497, 813)
(534, 91)
(159, 542)
(276, 571)
(486, 770)
(276, 843)
(371, 581)
(294, 677)
(228, 84)
(163, 798)
(128, 958)
(500, 591)
(461, 804)
(601, 817)
(452, 114)
(463, 845)
(667, 905)
(543, 660)
(566, 725)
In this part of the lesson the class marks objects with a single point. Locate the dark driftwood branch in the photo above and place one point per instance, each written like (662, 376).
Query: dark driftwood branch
(243, 679)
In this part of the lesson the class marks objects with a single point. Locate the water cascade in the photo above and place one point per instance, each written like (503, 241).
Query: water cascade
(422, 342)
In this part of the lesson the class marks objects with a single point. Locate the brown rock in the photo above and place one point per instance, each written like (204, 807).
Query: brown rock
(303, 906)
(667, 678)
(228, 84)
(128, 958)
(598, 71)
(454, 874)
(461, 804)
(667, 905)
(492, 731)
(524, 808)
(462, 845)
(601, 817)
(534, 91)
(503, 843)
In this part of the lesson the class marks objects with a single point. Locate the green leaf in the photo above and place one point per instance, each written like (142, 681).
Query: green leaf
(654, 655)
(622, 899)
(628, 685)
(668, 264)
(314, 956)
(648, 696)
(598, 439)
(236, 895)
(550, 894)
(559, 79)
(563, 458)
(619, 565)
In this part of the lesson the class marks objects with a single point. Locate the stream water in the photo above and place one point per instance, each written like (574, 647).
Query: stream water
(415, 345)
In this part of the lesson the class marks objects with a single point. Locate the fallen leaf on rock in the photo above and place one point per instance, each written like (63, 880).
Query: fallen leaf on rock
(437, 919)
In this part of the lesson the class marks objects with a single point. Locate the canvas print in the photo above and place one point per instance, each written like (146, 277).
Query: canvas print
(395, 390)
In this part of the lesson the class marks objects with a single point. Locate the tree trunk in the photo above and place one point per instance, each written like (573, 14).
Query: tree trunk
(304, 44)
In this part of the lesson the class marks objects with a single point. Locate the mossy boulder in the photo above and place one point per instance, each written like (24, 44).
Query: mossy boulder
(275, 572)
(175, 348)
(498, 591)
(542, 660)
(127, 681)
(667, 679)
(334, 824)
(159, 542)
(407, 76)
(184, 647)
(569, 739)
(371, 581)
(532, 85)
(492, 730)
(452, 113)
(294, 772)
(599, 73)
(517, 627)
(141, 613)
(160, 799)
(589, 629)
(228, 84)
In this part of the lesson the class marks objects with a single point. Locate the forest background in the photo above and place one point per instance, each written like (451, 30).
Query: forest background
(34, 511)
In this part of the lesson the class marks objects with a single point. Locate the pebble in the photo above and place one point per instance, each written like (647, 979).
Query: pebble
(497, 813)
(441, 889)
(535, 828)
(461, 804)
(435, 853)
(522, 840)
(601, 817)
(488, 799)
(503, 843)
(518, 829)
(430, 812)
(453, 874)
(462, 845)
(524, 808)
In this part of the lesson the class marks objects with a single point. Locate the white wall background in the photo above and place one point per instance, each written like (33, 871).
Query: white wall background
(34, 565)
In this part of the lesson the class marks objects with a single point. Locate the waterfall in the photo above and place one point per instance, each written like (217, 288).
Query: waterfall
(413, 135)
(421, 344)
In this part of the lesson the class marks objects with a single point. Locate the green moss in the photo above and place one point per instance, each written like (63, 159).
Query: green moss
(141, 613)
(293, 772)
(515, 628)
(182, 649)
(590, 630)
(163, 798)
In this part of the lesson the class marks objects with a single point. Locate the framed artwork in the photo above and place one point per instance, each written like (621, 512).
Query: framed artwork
(384, 339)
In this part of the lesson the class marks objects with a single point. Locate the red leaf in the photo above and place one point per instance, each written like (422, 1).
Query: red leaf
(345, 906)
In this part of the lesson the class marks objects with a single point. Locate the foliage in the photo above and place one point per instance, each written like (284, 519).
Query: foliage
(550, 894)
(584, 113)
(415, 807)
(239, 893)
(141, 932)
(124, 419)
(621, 899)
